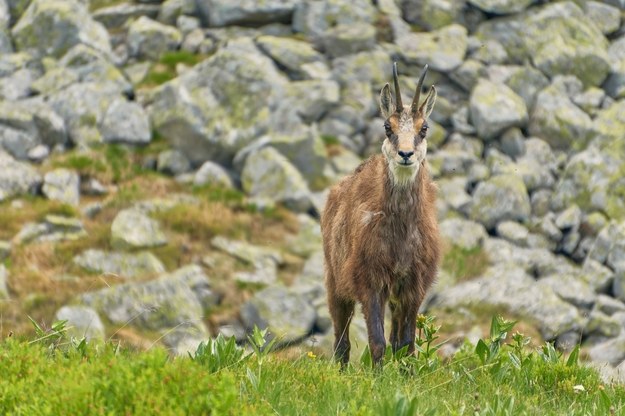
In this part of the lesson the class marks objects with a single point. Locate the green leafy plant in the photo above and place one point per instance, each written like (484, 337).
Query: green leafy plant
(518, 356)
(216, 354)
(549, 354)
(52, 337)
(261, 346)
(426, 335)
(400, 405)
(488, 350)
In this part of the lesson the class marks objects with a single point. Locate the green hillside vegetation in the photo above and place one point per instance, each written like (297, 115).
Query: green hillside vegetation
(499, 376)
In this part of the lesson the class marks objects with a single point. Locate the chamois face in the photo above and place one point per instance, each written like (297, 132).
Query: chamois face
(405, 145)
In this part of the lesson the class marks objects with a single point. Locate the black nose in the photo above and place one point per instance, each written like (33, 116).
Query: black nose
(405, 155)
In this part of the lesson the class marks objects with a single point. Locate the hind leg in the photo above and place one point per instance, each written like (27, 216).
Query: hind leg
(341, 312)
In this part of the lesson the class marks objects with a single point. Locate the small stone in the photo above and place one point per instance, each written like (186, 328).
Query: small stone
(81, 322)
(292, 54)
(501, 6)
(5, 250)
(193, 40)
(150, 39)
(567, 341)
(16, 177)
(594, 222)
(62, 185)
(117, 16)
(125, 122)
(4, 274)
(39, 153)
(513, 142)
(467, 74)
(443, 49)
(513, 232)
(348, 39)
(569, 242)
(502, 197)
(133, 229)
(569, 219)
(245, 12)
(608, 305)
(267, 174)
(611, 351)
(468, 235)
(602, 324)
(494, 108)
(92, 210)
(558, 121)
(187, 24)
(172, 162)
(210, 173)
(490, 52)
(92, 186)
(453, 192)
(548, 227)
(600, 277)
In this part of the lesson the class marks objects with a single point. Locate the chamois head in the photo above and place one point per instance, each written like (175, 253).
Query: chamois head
(405, 146)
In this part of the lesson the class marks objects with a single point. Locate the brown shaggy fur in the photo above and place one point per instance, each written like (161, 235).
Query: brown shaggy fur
(381, 244)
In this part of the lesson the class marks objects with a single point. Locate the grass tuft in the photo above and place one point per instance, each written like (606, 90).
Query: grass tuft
(464, 264)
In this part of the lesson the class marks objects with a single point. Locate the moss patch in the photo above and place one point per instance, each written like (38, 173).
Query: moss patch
(165, 69)
(464, 264)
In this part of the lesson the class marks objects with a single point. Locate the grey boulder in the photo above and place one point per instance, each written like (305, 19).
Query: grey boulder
(125, 265)
(16, 177)
(502, 197)
(288, 316)
(133, 229)
(494, 108)
(52, 27)
(81, 322)
(62, 185)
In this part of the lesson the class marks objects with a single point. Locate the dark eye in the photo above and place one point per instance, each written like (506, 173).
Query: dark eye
(424, 130)
(387, 128)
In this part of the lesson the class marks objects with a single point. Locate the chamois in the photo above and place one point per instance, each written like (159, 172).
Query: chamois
(380, 235)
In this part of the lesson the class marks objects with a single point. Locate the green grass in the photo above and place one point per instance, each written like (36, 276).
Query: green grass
(464, 264)
(56, 376)
(165, 69)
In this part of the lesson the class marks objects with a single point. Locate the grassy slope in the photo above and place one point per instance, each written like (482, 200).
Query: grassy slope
(42, 276)
(105, 380)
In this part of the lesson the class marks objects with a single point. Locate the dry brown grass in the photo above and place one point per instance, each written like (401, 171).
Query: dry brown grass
(40, 281)
(42, 276)
(14, 214)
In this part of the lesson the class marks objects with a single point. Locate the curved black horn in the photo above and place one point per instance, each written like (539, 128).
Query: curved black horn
(399, 107)
(415, 102)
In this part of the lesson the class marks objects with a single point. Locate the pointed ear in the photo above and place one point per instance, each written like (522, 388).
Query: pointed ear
(428, 105)
(386, 102)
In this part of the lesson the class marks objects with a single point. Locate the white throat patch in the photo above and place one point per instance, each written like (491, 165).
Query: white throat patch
(403, 176)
